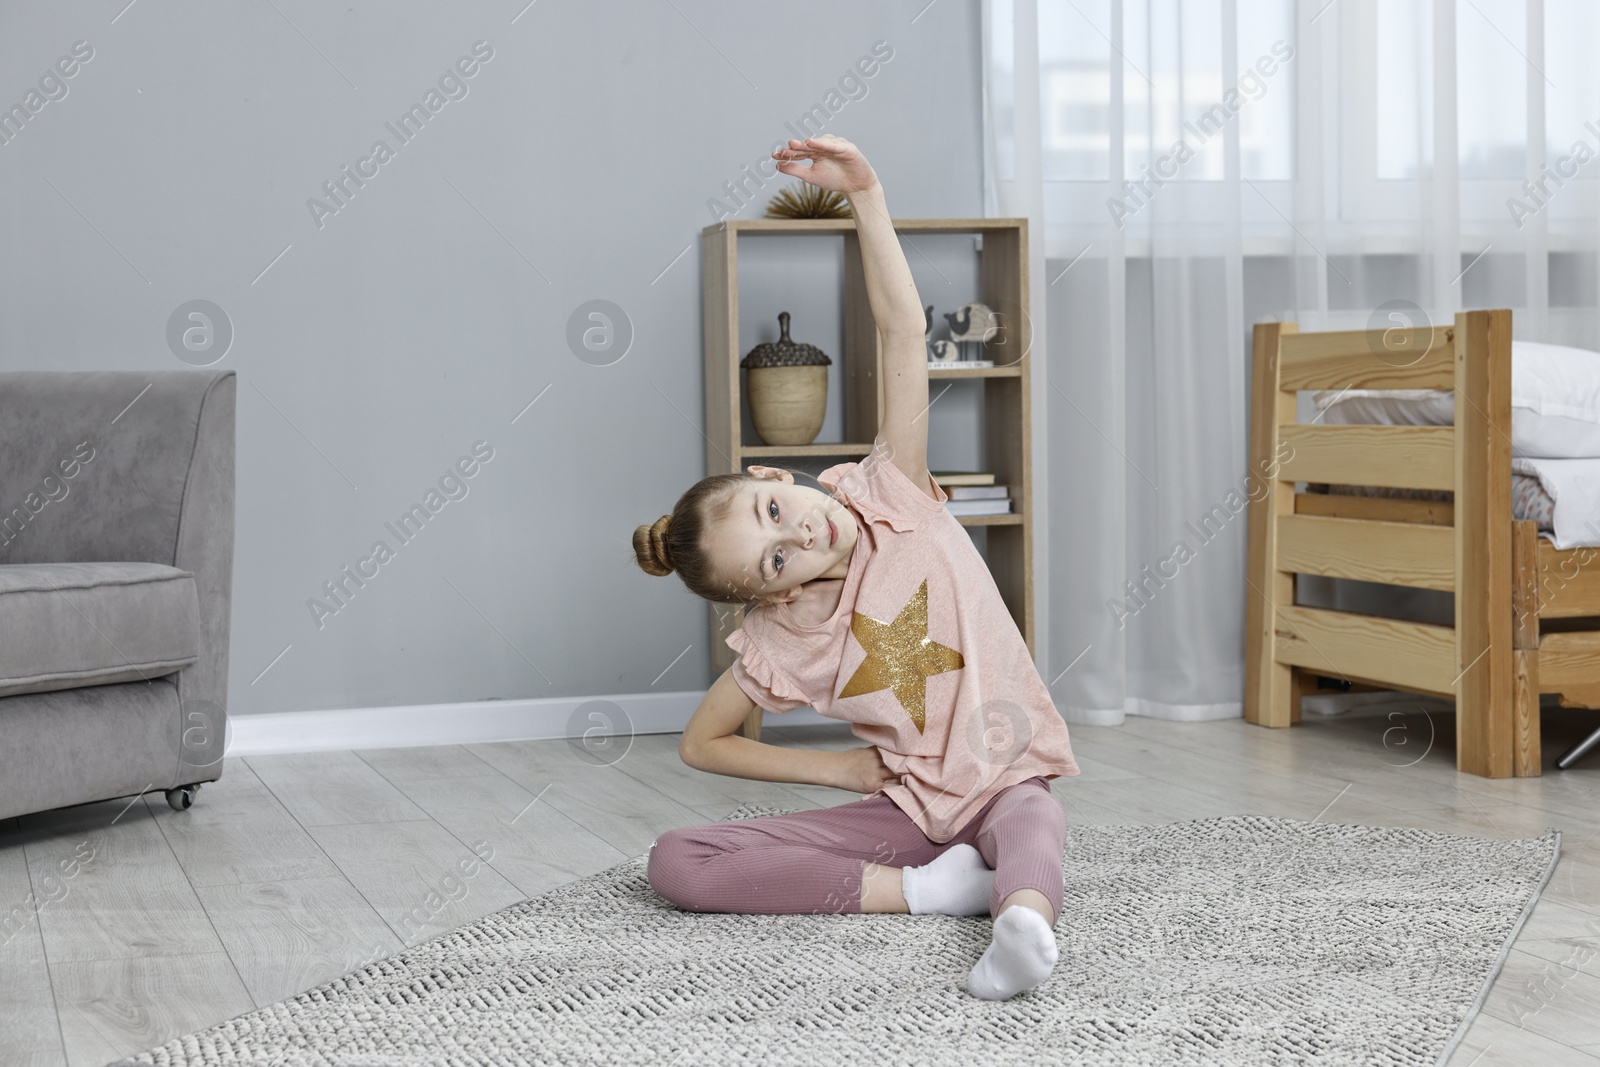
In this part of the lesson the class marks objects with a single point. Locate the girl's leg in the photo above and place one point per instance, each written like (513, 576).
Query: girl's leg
(806, 862)
(882, 890)
(1021, 835)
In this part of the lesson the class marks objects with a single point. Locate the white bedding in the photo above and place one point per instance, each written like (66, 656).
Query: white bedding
(1574, 485)
(1555, 403)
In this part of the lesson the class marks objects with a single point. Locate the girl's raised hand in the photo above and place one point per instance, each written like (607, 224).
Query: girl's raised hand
(836, 164)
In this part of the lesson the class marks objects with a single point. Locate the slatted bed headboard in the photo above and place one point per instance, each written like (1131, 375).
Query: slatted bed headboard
(1470, 557)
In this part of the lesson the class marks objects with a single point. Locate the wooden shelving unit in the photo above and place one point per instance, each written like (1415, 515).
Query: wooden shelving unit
(1003, 271)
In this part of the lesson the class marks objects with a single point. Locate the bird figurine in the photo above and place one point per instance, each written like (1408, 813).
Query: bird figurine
(973, 322)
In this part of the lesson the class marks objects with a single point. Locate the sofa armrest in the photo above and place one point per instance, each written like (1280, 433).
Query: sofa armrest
(99, 466)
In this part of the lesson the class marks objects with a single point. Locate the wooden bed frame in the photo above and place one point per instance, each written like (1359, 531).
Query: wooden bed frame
(1527, 615)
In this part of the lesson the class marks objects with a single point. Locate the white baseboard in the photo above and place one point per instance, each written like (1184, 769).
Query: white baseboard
(414, 725)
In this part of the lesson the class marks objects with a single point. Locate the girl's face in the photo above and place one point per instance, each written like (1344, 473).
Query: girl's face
(779, 535)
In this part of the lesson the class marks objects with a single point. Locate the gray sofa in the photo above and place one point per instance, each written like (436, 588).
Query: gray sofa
(116, 581)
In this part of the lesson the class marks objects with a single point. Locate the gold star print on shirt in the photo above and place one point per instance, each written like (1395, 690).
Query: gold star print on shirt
(900, 656)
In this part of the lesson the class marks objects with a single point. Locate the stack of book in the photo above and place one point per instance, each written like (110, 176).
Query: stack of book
(973, 492)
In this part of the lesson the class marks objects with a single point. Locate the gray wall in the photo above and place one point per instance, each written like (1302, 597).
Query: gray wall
(374, 350)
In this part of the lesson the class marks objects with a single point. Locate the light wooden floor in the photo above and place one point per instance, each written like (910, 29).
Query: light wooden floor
(292, 870)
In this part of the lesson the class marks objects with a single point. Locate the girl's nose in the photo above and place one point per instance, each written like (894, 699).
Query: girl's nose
(817, 528)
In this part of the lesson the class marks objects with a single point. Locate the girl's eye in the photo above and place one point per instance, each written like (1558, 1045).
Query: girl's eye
(777, 557)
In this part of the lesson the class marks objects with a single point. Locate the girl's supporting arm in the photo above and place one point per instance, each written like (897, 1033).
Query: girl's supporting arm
(897, 308)
(710, 744)
(737, 756)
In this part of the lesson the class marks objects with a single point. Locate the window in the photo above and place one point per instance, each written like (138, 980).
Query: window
(1175, 114)
(1388, 129)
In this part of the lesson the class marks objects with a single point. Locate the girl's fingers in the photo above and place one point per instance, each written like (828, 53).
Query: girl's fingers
(815, 147)
(829, 144)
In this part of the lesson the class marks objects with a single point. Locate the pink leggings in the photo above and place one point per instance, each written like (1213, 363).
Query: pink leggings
(810, 862)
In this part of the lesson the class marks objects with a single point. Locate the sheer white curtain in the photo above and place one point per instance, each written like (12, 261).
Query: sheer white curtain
(1195, 166)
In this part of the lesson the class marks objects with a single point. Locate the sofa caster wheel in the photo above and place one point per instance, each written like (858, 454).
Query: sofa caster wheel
(182, 797)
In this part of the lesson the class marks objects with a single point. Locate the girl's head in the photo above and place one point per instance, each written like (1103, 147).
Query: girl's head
(754, 537)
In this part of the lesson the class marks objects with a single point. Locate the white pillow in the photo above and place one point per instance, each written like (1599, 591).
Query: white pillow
(1555, 403)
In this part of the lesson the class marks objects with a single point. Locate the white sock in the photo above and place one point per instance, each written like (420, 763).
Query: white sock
(1021, 955)
(957, 882)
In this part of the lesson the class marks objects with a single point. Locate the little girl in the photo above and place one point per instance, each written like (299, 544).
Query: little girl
(870, 603)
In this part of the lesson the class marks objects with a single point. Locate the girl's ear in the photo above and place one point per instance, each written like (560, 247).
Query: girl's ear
(756, 470)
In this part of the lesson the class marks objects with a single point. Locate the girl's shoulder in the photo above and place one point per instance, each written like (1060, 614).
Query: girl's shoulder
(767, 624)
(831, 477)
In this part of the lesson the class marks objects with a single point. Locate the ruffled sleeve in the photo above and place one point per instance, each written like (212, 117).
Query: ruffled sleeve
(881, 492)
(765, 684)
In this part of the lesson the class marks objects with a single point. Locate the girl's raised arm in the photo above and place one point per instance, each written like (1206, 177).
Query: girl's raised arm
(838, 165)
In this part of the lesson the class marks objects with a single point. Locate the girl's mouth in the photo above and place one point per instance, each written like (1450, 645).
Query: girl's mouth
(833, 533)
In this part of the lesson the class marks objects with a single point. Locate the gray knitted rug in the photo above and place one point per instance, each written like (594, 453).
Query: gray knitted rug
(1243, 940)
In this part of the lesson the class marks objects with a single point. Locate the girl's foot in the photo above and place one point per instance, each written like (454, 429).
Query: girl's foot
(1021, 955)
(956, 882)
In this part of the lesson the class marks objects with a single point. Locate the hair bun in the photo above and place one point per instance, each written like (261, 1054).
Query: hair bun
(650, 545)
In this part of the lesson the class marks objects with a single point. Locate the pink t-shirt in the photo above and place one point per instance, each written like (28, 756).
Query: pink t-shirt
(922, 656)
